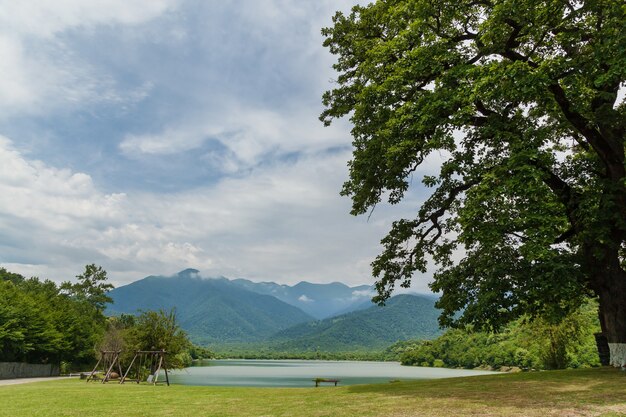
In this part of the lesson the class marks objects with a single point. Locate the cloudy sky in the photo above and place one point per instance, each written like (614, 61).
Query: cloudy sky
(148, 136)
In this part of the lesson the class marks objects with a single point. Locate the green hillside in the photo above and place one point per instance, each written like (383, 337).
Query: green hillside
(404, 317)
(242, 315)
(210, 310)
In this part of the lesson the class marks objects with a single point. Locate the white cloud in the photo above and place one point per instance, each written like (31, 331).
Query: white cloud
(239, 90)
(249, 135)
(46, 18)
(362, 293)
(53, 197)
(39, 73)
(621, 96)
(15, 86)
(275, 224)
(305, 299)
(279, 112)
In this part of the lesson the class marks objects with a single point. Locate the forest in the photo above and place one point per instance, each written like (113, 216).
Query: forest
(42, 322)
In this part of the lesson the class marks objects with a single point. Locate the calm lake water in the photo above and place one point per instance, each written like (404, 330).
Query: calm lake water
(297, 373)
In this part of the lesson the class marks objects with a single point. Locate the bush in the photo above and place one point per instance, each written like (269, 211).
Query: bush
(525, 343)
(438, 363)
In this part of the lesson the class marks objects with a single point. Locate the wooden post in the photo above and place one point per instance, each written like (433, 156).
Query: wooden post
(114, 360)
(94, 370)
(128, 370)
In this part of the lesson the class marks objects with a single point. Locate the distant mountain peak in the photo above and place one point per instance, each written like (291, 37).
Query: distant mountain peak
(315, 299)
(189, 273)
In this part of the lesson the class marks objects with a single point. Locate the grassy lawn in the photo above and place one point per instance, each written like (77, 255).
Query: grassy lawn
(594, 392)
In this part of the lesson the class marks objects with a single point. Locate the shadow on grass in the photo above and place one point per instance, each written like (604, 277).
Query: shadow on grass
(555, 389)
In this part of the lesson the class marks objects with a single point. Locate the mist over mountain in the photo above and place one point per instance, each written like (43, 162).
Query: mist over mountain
(318, 300)
(210, 310)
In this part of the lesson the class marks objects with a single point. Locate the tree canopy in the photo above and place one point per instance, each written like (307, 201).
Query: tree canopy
(41, 323)
(91, 286)
(519, 100)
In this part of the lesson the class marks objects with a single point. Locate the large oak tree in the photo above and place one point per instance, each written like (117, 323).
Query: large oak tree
(520, 100)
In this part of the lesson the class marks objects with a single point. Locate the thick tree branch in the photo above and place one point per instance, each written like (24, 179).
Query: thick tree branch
(610, 153)
(568, 196)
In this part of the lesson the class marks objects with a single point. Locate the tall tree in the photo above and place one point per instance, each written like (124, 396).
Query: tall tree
(91, 286)
(519, 100)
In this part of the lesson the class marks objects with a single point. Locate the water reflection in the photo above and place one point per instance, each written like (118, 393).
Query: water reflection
(300, 373)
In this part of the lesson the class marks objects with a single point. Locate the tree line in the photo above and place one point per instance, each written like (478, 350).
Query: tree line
(527, 344)
(42, 322)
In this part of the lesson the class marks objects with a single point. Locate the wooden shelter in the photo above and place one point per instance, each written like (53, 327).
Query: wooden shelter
(110, 360)
(153, 360)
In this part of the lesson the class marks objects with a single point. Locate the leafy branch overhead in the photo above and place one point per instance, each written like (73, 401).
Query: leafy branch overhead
(520, 101)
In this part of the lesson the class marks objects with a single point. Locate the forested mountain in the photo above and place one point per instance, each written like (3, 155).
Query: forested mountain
(403, 317)
(318, 300)
(218, 311)
(210, 310)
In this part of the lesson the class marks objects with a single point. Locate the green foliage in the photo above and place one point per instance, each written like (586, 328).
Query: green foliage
(535, 344)
(365, 330)
(159, 330)
(91, 286)
(151, 330)
(264, 351)
(42, 323)
(518, 99)
(199, 352)
(358, 335)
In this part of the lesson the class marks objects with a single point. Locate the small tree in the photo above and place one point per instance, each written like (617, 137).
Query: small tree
(156, 330)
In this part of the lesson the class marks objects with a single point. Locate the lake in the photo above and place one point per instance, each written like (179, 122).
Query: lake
(299, 373)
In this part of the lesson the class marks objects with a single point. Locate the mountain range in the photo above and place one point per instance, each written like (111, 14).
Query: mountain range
(305, 316)
(403, 317)
(318, 300)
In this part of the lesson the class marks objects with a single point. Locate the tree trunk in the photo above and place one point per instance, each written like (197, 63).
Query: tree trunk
(612, 297)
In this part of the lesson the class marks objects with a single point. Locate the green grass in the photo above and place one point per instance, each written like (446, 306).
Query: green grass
(592, 392)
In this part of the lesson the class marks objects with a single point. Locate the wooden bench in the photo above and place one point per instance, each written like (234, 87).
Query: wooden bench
(318, 381)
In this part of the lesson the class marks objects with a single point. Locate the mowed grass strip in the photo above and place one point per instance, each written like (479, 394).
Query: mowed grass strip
(592, 392)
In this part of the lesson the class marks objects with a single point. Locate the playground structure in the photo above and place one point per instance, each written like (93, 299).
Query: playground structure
(156, 361)
(109, 360)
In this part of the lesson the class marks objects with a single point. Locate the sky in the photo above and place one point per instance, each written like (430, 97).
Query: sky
(150, 136)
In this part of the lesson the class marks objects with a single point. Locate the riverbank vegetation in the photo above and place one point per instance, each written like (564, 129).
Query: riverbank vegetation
(526, 344)
(582, 392)
(264, 351)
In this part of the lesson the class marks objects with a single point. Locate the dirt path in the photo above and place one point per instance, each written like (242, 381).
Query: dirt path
(27, 380)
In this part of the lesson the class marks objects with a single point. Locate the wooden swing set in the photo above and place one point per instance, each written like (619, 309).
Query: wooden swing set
(109, 360)
(155, 359)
